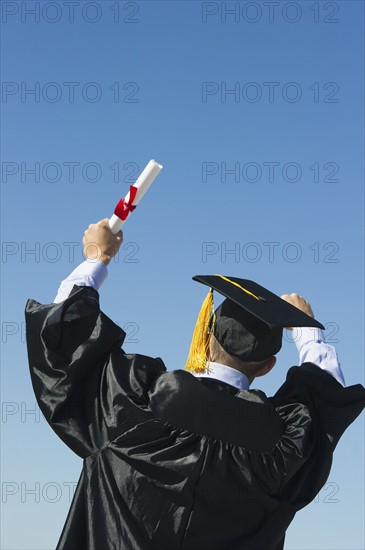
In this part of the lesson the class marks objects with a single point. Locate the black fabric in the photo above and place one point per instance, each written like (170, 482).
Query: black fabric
(249, 323)
(170, 461)
(264, 306)
(244, 336)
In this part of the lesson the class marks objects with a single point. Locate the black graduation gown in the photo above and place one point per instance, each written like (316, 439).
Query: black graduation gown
(171, 461)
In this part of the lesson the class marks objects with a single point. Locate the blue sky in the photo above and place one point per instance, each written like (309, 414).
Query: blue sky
(257, 117)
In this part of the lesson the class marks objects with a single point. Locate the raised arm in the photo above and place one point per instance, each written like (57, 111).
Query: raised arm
(311, 343)
(100, 245)
(316, 409)
(88, 389)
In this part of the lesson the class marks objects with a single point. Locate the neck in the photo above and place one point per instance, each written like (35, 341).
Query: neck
(250, 377)
(225, 373)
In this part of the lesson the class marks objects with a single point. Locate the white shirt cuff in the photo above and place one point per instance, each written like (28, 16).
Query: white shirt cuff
(313, 349)
(89, 273)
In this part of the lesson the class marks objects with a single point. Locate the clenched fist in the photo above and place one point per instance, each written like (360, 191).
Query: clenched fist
(100, 243)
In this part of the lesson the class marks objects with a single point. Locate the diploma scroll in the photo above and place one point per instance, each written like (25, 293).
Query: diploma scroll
(136, 192)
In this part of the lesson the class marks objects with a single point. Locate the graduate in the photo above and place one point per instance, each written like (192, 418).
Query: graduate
(191, 459)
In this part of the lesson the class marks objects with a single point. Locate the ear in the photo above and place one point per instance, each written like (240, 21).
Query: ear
(270, 363)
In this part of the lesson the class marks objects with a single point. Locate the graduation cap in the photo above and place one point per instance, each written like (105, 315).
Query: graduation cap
(248, 324)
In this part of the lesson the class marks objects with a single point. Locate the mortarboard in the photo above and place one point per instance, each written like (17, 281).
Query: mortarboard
(248, 324)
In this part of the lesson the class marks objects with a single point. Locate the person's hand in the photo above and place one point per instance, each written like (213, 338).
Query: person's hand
(299, 302)
(100, 243)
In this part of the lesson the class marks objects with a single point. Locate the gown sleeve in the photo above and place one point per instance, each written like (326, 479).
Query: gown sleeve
(316, 410)
(88, 389)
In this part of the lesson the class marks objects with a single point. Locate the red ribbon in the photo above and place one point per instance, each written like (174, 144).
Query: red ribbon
(123, 207)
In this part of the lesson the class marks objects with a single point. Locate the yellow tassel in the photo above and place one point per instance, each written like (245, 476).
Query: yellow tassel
(198, 354)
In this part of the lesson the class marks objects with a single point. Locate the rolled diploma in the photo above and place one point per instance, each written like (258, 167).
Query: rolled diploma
(143, 182)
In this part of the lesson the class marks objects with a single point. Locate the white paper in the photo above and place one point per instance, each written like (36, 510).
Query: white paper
(143, 183)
